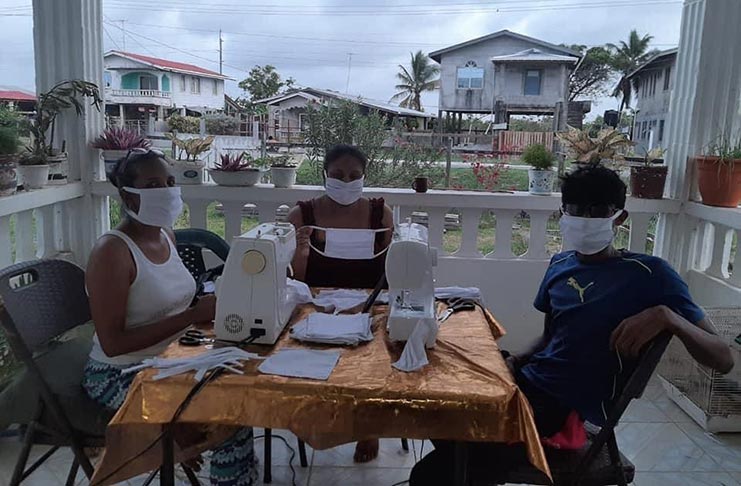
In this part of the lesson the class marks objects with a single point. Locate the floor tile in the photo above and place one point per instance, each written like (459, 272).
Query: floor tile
(724, 448)
(672, 410)
(348, 476)
(643, 411)
(663, 447)
(684, 479)
(281, 454)
(282, 476)
(390, 455)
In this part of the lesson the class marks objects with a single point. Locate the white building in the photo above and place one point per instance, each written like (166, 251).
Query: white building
(138, 86)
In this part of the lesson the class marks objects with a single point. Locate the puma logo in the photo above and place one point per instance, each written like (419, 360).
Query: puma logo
(571, 282)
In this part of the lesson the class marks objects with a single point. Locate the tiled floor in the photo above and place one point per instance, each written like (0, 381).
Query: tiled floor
(667, 448)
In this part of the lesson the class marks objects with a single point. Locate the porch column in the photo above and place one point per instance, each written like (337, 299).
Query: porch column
(121, 115)
(704, 101)
(68, 45)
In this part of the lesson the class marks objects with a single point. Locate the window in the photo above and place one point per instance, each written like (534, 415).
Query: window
(148, 81)
(667, 78)
(470, 76)
(661, 130)
(195, 85)
(303, 121)
(532, 82)
(107, 79)
(182, 82)
(216, 87)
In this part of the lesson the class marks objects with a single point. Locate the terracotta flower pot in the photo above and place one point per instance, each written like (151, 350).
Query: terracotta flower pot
(647, 182)
(719, 182)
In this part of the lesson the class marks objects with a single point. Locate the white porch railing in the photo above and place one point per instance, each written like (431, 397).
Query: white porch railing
(138, 93)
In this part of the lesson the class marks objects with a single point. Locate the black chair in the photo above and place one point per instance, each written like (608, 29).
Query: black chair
(191, 243)
(600, 462)
(41, 301)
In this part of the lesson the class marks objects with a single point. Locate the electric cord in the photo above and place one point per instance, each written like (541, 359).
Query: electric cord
(293, 454)
(200, 385)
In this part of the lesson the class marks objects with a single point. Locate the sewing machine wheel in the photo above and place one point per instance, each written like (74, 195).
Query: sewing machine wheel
(253, 262)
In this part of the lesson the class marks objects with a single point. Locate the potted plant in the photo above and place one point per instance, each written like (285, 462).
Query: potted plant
(115, 143)
(235, 170)
(283, 171)
(189, 170)
(647, 180)
(540, 174)
(719, 172)
(8, 159)
(608, 145)
(35, 165)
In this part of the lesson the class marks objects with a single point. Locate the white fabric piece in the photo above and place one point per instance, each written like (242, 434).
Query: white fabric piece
(340, 300)
(159, 206)
(473, 293)
(343, 329)
(587, 236)
(414, 355)
(301, 363)
(209, 287)
(349, 243)
(229, 358)
(298, 292)
(344, 193)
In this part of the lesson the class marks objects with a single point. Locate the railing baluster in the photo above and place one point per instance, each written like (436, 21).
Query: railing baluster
(47, 243)
(638, 232)
(198, 211)
(24, 237)
(538, 231)
(503, 236)
(233, 219)
(721, 251)
(435, 227)
(6, 245)
(736, 274)
(469, 239)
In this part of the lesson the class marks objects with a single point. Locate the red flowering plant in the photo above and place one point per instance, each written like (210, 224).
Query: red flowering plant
(487, 170)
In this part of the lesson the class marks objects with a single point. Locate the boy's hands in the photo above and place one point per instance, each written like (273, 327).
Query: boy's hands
(636, 331)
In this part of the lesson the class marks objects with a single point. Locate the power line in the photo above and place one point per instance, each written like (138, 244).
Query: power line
(110, 37)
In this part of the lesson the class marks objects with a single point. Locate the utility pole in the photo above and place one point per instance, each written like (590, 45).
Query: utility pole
(349, 70)
(221, 53)
(123, 33)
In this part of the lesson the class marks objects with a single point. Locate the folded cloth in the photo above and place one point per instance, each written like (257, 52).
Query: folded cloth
(340, 329)
(301, 363)
(414, 356)
(229, 358)
(340, 299)
(444, 293)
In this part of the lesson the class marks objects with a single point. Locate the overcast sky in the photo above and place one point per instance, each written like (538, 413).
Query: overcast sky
(309, 40)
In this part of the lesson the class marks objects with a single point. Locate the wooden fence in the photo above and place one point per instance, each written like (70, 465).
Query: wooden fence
(516, 142)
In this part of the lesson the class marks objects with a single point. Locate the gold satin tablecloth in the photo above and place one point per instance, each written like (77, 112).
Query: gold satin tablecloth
(466, 393)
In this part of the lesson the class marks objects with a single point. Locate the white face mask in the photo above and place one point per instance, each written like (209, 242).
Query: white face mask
(349, 244)
(344, 193)
(587, 236)
(159, 206)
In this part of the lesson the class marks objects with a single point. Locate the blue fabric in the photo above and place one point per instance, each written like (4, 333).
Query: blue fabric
(233, 463)
(587, 302)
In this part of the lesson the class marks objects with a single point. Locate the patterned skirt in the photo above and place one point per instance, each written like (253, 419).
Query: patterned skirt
(233, 463)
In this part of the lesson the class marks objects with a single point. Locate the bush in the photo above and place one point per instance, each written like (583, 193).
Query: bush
(538, 157)
(184, 124)
(222, 125)
(8, 140)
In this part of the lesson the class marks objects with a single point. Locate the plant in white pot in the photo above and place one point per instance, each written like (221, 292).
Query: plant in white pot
(235, 170)
(540, 174)
(188, 168)
(283, 171)
(35, 165)
(115, 143)
(9, 144)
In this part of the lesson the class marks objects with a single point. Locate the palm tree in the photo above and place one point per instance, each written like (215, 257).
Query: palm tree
(627, 56)
(422, 76)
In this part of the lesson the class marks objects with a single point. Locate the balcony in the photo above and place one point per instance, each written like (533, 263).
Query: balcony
(138, 96)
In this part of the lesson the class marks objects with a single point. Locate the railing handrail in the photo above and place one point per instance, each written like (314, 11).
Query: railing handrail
(154, 93)
(29, 200)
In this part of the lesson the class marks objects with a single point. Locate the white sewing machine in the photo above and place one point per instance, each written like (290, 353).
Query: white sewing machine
(409, 265)
(252, 291)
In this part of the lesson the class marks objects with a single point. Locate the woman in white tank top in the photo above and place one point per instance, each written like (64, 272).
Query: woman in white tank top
(141, 294)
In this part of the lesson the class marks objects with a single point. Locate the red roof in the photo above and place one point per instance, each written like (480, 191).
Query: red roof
(165, 64)
(14, 95)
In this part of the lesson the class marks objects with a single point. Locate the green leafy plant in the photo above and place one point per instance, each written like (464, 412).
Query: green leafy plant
(282, 161)
(191, 148)
(538, 156)
(607, 145)
(9, 142)
(726, 147)
(221, 125)
(651, 156)
(184, 124)
(60, 97)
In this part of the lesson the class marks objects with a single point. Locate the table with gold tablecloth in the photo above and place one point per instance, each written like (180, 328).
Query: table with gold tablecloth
(466, 393)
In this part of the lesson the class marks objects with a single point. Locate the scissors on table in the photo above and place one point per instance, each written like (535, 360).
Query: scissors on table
(194, 337)
(456, 305)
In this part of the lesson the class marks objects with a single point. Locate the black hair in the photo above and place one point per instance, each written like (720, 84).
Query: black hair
(126, 171)
(341, 150)
(593, 185)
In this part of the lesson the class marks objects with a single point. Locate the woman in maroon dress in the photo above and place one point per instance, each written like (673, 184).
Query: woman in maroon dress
(327, 255)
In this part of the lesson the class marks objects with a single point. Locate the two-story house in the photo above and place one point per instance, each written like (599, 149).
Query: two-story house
(652, 84)
(138, 86)
(504, 74)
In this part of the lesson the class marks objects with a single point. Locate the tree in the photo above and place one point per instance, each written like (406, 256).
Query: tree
(421, 76)
(626, 57)
(264, 82)
(594, 72)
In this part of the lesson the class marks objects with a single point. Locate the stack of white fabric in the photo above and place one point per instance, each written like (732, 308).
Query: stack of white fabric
(230, 358)
(344, 329)
(340, 300)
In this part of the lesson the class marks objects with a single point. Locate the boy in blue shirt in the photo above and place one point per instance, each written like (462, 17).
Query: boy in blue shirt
(601, 306)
